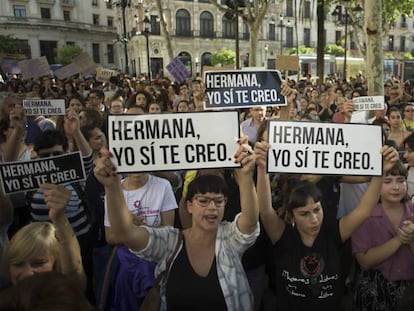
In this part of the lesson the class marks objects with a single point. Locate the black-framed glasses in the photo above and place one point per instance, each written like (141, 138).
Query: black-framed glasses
(49, 154)
(205, 201)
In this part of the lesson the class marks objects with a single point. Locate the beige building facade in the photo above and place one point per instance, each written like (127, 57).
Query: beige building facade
(197, 29)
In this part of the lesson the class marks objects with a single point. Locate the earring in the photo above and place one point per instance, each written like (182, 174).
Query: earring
(293, 224)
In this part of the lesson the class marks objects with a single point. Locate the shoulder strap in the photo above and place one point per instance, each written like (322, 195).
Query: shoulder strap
(164, 274)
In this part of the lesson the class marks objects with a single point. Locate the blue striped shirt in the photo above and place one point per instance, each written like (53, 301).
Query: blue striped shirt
(75, 211)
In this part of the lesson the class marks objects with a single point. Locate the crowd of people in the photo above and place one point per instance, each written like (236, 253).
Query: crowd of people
(227, 236)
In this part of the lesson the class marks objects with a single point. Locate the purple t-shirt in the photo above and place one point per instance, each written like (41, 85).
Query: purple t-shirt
(377, 230)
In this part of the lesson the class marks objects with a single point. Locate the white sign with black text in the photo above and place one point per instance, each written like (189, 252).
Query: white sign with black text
(179, 141)
(325, 148)
(44, 107)
(369, 103)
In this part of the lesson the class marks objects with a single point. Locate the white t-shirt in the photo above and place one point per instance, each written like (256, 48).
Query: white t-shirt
(149, 201)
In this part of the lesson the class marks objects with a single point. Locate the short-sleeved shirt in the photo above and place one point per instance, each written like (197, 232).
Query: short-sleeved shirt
(400, 266)
(307, 278)
(149, 201)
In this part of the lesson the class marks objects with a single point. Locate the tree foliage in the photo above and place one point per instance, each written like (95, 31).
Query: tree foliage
(8, 44)
(223, 56)
(66, 54)
(334, 49)
(302, 50)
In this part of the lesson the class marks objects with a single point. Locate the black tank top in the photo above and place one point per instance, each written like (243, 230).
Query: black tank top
(186, 290)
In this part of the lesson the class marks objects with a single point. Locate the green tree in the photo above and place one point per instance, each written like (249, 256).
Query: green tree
(302, 50)
(67, 53)
(334, 49)
(252, 13)
(223, 56)
(8, 44)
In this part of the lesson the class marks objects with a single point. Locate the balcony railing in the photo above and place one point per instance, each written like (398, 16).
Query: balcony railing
(67, 3)
(46, 1)
(53, 23)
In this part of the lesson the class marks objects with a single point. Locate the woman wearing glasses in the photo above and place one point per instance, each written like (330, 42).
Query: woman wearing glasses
(206, 273)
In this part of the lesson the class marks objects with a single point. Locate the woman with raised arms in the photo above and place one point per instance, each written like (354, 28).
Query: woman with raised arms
(206, 273)
(307, 248)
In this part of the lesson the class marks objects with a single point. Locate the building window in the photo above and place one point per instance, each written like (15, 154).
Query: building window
(48, 49)
(391, 43)
(95, 2)
(403, 21)
(272, 32)
(246, 32)
(109, 4)
(307, 37)
(307, 12)
(289, 8)
(95, 19)
(66, 16)
(186, 60)
(289, 37)
(19, 11)
(338, 36)
(206, 59)
(183, 21)
(96, 53)
(206, 25)
(110, 21)
(45, 13)
(70, 42)
(228, 28)
(155, 25)
(402, 44)
(110, 51)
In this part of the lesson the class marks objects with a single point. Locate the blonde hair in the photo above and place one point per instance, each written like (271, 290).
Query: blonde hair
(37, 237)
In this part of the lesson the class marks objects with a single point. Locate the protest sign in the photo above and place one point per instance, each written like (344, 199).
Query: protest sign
(324, 148)
(34, 68)
(240, 89)
(369, 103)
(287, 62)
(179, 141)
(28, 175)
(67, 71)
(103, 75)
(44, 107)
(177, 69)
(84, 63)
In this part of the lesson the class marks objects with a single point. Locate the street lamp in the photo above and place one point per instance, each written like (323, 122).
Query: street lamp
(339, 16)
(234, 6)
(146, 32)
(281, 25)
(124, 40)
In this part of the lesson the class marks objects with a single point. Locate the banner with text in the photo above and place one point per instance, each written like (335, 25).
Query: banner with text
(369, 103)
(241, 89)
(28, 175)
(179, 141)
(324, 148)
(44, 107)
